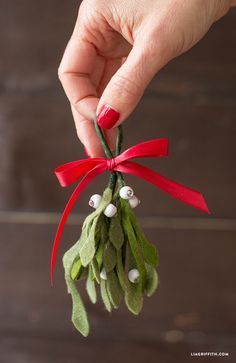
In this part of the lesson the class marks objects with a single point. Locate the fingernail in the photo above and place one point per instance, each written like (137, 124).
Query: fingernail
(86, 152)
(107, 117)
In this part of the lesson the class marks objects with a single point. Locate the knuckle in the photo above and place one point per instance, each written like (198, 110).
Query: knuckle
(60, 73)
(125, 86)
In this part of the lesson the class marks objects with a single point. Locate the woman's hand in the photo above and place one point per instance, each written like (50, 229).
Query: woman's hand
(115, 50)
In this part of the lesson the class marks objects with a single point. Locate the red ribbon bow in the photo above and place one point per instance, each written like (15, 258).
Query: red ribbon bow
(71, 172)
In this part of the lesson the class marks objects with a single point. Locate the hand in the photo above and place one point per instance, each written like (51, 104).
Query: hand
(115, 50)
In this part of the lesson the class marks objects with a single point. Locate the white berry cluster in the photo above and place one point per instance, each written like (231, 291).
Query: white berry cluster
(133, 275)
(127, 192)
(110, 211)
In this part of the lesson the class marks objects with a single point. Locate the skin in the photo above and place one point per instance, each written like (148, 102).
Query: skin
(118, 46)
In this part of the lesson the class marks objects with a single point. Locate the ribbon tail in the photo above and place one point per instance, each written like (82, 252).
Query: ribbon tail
(176, 190)
(78, 190)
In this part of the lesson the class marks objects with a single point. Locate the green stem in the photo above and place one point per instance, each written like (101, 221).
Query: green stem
(107, 151)
(119, 140)
(115, 176)
(102, 139)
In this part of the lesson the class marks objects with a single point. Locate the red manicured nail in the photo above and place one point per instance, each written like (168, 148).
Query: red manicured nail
(107, 117)
(86, 152)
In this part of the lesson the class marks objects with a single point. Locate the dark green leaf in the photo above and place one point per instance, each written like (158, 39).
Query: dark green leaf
(133, 243)
(113, 288)
(123, 279)
(134, 299)
(149, 251)
(133, 292)
(109, 257)
(116, 234)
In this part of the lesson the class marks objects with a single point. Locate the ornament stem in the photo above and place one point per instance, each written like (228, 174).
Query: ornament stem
(100, 134)
(107, 151)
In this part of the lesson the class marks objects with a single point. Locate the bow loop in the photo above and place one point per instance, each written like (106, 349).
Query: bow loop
(71, 172)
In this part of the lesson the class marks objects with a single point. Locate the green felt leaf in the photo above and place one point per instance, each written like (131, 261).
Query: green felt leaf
(99, 253)
(91, 289)
(87, 252)
(96, 270)
(84, 273)
(87, 247)
(109, 257)
(105, 297)
(106, 199)
(133, 292)
(116, 234)
(149, 251)
(133, 243)
(131, 260)
(104, 228)
(113, 288)
(76, 269)
(151, 281)
(134, 299)
(79, 315)
(123, 278)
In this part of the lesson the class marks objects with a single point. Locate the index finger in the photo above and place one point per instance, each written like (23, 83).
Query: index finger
(75, 71)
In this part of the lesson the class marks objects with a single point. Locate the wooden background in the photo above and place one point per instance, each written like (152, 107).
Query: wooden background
(193, 102)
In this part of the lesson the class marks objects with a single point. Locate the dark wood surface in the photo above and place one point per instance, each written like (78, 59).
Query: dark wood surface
(193, 102)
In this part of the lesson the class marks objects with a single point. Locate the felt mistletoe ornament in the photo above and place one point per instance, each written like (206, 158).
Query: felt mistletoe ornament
(112, 253)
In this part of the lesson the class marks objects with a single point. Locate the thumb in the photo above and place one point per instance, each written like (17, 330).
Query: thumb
(127, 85)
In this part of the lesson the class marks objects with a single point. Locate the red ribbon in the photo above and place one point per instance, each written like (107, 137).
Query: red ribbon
(91, 168)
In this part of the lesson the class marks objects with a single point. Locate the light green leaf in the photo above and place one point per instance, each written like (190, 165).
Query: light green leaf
(105, 297)
(76, 269)
(152, 280)
(99, 253)
(87, 248)
(106, 199)
(91, 289)
(87, 252)
(95, 269)
(79, 315)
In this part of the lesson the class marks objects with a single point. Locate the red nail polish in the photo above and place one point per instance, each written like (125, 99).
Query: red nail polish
(86, 152)
(107, 117)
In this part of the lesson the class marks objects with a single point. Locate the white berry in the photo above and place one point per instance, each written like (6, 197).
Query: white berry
(134, 202)
(133, 275)
(95, 200)
(126, 192)
(103, 274)
(110, 210)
